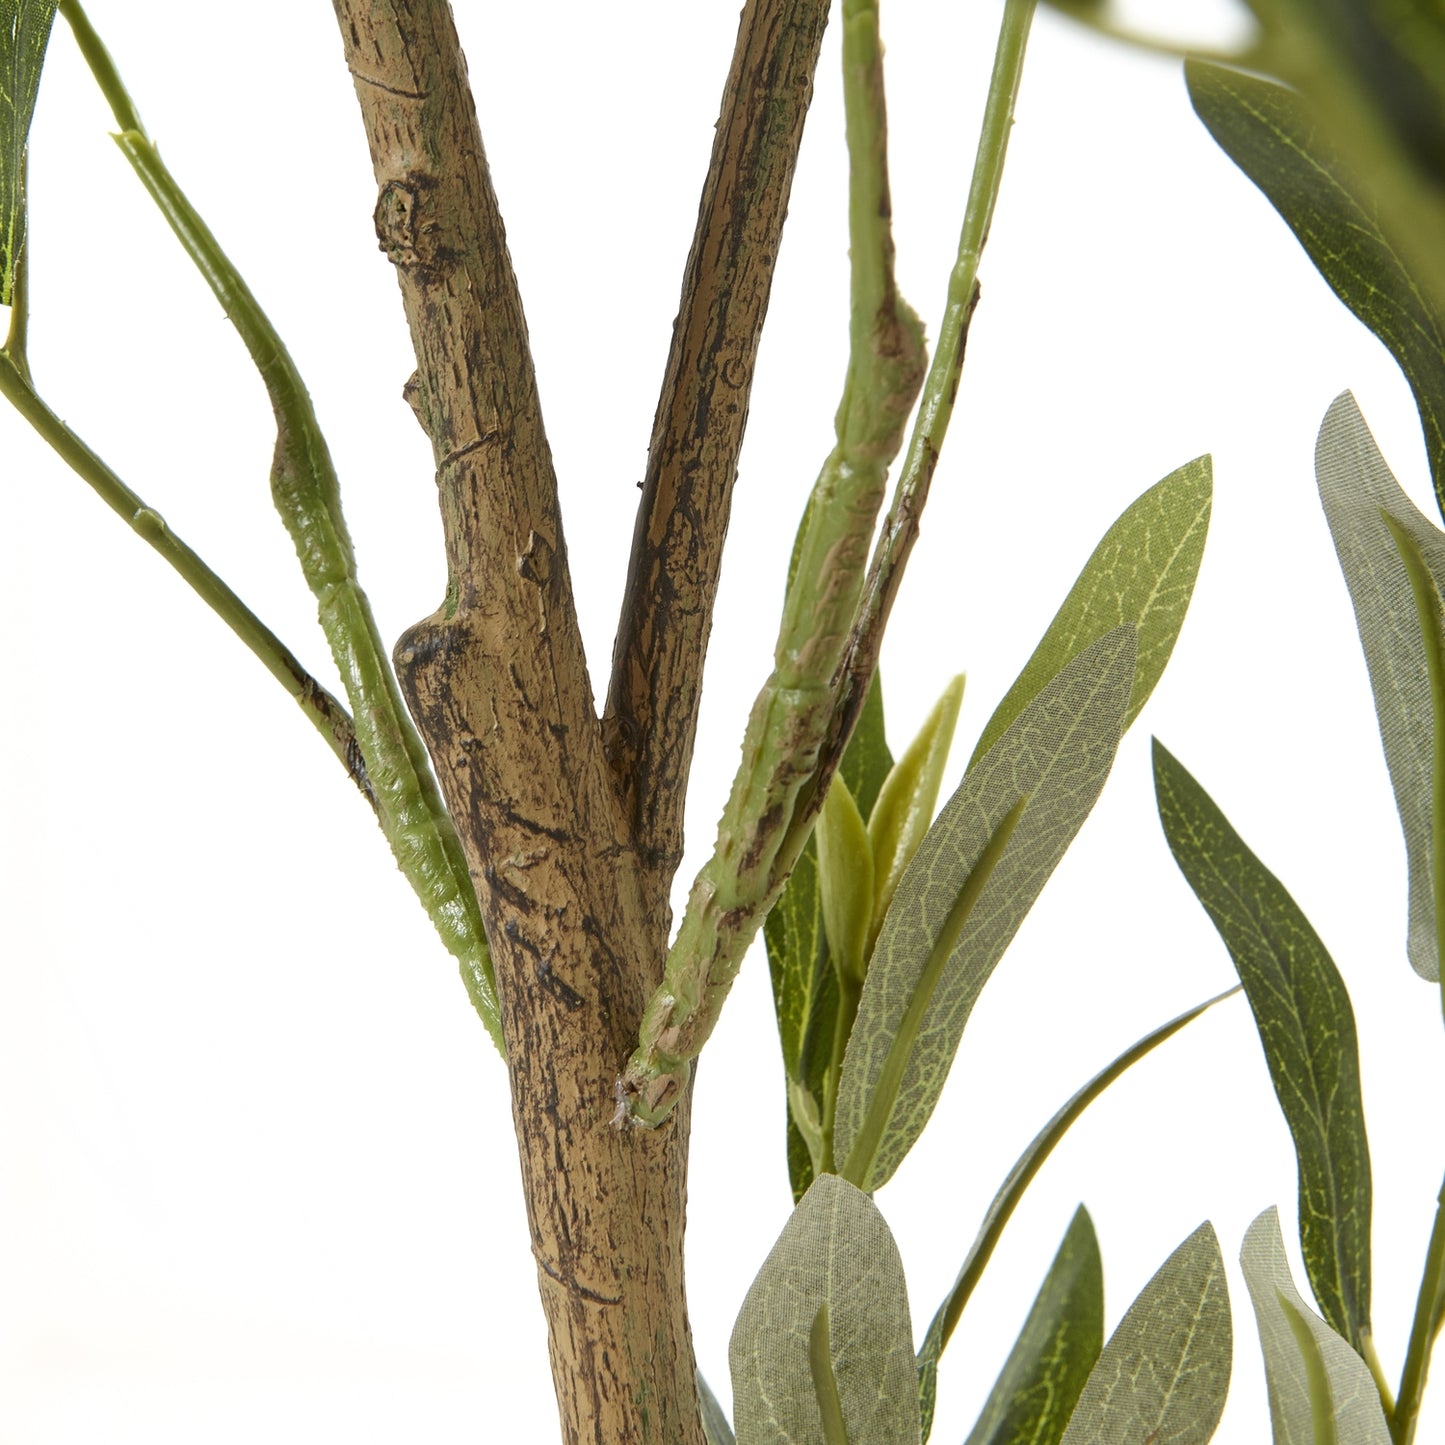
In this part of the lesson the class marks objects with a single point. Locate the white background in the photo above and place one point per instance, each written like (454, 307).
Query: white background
(256, 1171)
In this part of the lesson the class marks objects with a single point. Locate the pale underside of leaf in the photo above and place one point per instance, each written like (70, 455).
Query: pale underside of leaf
(1164, 1374)
(1058, 753)
(1307, 1028)
(1141, 575)
(24, 32)
(1355, 487)
(1041, 1381)
(1354, 1403)
(836, 1251)
(1269, 133)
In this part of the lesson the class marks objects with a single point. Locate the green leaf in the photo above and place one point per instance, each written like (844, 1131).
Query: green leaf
(835, 1251)
(1307, 1027)
(24, 34)
(866, 760)
(805, 992)
(1142, 575)
(906, 802)
(867, 1141)
(1272, 136)
(1035, 1394)
(1164, 1374)
(845, 879)
(1320, 1390)
(1431, 614)
(715, 1427)
(1000, 1211)
(1356, 486)
(1057, 753)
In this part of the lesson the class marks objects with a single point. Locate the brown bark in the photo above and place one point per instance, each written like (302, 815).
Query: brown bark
(701, 415)
(569, 881)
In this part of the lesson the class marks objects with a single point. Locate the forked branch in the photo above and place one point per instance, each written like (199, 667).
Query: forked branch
(503, 658)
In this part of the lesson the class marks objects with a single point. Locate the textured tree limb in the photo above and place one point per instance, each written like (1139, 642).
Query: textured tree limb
(497, 682)
(759, 837)
(652, 704)
(804, 716)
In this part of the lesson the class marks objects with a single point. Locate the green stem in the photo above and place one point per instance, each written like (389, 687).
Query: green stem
(18, 335)
(324, 712)
(307, 495)
(935, 410)
(1371, 1357)
(771, 808)
(102, 67)
(1423, 1331)
(858, 1166)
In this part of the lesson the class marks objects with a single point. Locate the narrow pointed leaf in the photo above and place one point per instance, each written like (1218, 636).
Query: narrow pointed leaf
(1057, 753)
(24, 34)
(1141, 575)
(866, 760)
(1301, 1353)
(1356, 486)
(835, 1251)
(1431, 616)
(845, 879)
(1164, 1374)
(1041, 1381)
(908, 797)
(715, 1427)
(805, 994)
(1307, 1028)
(1011, 1192)
(867, 1140)
(1268, 131)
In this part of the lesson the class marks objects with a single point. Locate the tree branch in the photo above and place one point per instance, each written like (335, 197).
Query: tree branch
(437, 219)
(497, 682)
(651, 715)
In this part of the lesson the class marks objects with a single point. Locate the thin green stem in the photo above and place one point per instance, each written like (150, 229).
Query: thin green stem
(324, 712)
(102, 67)
(1371, 1357)
(1428, 1304)
(771, 808)
(307, 495)
(1423, 1331)
(935, 410)
(17, 337)
(858, 1166)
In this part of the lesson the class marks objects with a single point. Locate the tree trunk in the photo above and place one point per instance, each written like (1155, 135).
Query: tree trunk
(572, 844)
